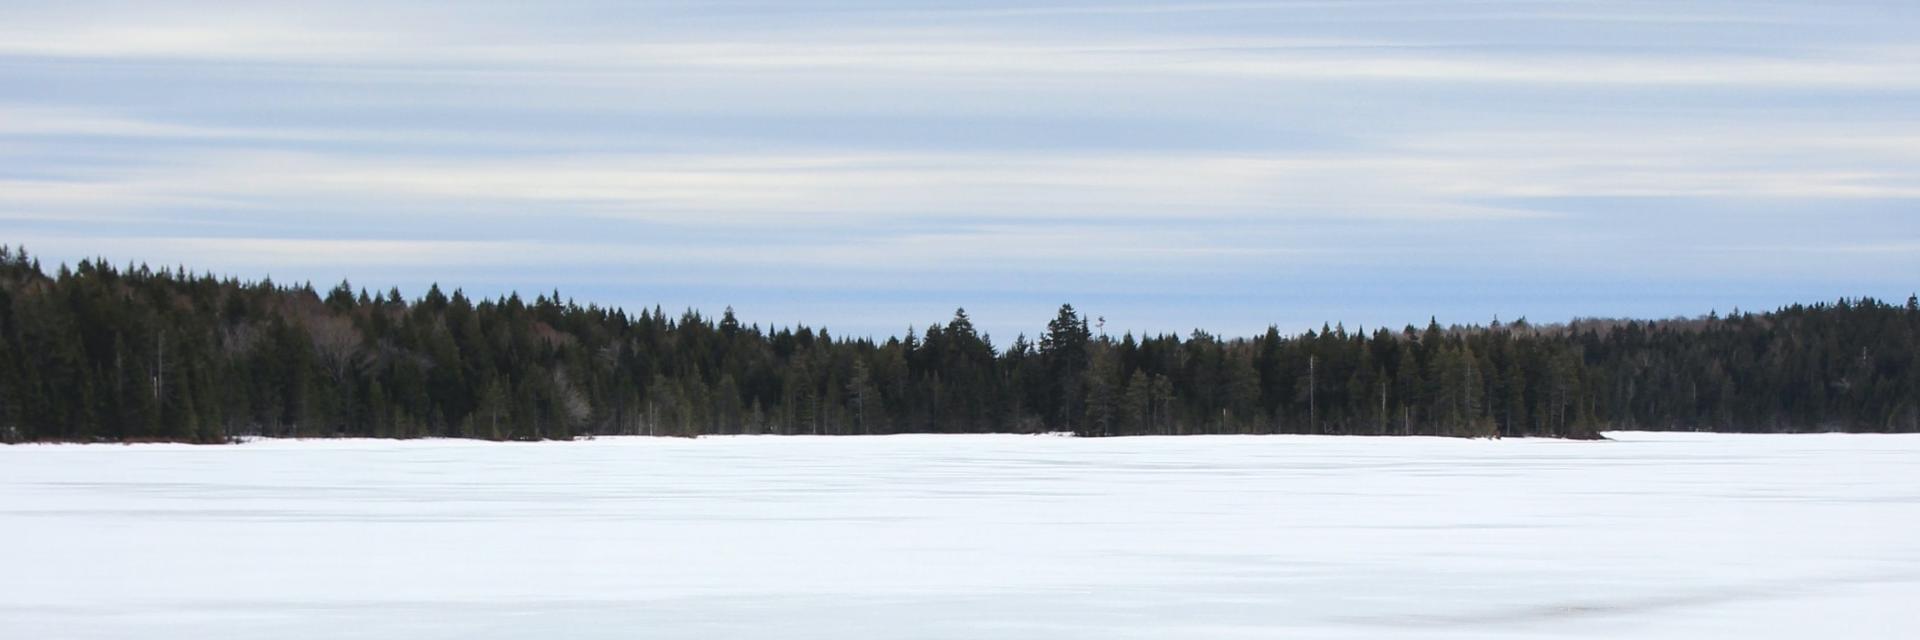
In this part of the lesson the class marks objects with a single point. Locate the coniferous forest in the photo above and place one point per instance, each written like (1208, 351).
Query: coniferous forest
(95, 352)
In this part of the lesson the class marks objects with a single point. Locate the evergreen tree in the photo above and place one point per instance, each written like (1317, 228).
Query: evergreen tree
(1064, 354)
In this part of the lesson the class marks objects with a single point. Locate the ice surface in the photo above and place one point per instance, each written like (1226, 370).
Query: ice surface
(1649, 535)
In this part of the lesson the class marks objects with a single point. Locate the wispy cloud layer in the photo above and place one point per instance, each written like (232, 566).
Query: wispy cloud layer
(964, 55)
(1222, 164)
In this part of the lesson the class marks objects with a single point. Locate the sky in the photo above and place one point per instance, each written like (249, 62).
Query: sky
(872, 165)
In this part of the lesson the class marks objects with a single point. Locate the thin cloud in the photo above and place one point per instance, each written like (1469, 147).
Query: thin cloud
(955, 54)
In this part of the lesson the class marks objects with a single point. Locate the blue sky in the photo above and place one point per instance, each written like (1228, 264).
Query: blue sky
(870, 165)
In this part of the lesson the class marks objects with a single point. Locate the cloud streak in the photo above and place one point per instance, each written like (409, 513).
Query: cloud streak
(967, 55)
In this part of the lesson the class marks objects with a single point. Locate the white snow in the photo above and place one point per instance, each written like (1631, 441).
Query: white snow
(1649, 535)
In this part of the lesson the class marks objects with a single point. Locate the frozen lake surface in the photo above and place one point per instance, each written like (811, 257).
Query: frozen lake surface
(1649, 535)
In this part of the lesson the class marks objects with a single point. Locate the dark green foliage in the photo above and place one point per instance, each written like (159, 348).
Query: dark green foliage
(95, 352)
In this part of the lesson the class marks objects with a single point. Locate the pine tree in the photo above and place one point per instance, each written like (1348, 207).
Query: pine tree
(1103, 395)
(1064, 351)
(1136, 404)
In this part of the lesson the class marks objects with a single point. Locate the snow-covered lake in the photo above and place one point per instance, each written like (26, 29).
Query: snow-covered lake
(1648, 535)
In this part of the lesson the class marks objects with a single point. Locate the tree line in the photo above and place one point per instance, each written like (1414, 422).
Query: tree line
(95, 352)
